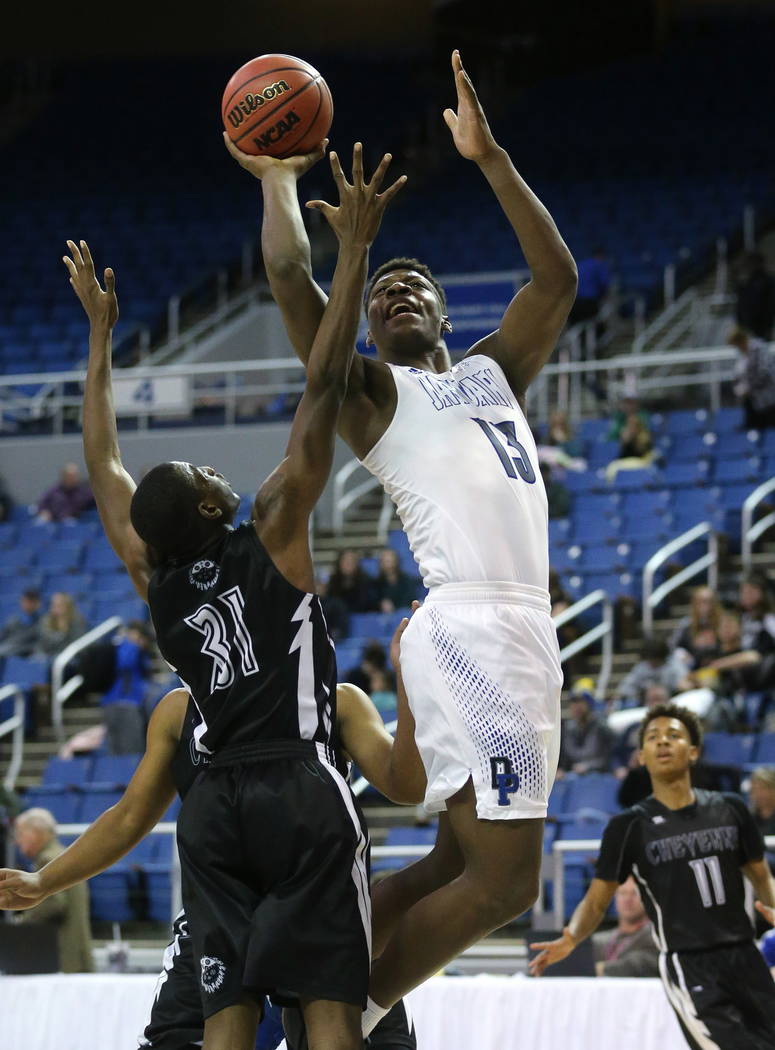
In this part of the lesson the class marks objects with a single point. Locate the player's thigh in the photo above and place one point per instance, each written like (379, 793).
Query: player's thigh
(332, 1025)
(234, 1027)
(498, 853)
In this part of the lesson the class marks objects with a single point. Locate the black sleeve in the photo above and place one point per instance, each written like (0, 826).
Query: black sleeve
(613, 863)
(751, 840)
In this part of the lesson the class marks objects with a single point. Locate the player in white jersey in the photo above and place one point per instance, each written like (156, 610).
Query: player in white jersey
(454, 450)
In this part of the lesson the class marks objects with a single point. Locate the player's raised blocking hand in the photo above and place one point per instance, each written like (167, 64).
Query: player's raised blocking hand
(470, 130)
(357, 220)
(101, 305)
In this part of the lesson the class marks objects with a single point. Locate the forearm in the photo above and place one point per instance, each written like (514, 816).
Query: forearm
(100, 435)
(334, 345)
(546, 253)
(764, 888)
(284, 241)
(106, 841)
(585, 919)
(407, 773)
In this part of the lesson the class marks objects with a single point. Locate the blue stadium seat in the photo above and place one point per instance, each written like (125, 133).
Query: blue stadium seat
(95, 802)
(592, 791)
(686, 421)
(600, 559)
(25, 672)
(635, 479)
(375, 624)
(727, 748)
(741, 443)
(109, 895)
(114, 769)
(647, 526)
(557, 796)
(732, 471)
(99, 556)
(560, 530)
(69, 772)
(62, 802)
(764, 751)
(726, 420)
(691, 447)
(678, 475)
(59, 557)
(403, 836)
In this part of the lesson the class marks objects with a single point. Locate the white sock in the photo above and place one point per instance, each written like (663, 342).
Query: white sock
(371, 1016)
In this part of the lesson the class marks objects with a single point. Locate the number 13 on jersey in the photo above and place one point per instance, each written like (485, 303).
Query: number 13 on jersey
(516, 466)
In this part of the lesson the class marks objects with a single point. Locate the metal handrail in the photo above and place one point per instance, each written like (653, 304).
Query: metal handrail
(750, 532)
(344, 498)
(61, 692)
(709, 561)
(604, 630)
(15, 726)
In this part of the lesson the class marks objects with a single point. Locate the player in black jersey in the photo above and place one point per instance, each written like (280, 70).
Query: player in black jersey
(236, 615)
(171, 763)
(688, 850)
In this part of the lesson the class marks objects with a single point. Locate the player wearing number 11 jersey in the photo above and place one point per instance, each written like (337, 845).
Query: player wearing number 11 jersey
(273, 850)
(688, 851)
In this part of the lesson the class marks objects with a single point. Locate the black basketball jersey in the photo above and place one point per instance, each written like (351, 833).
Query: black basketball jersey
(251, 648)
(687, 865)
(188, 761)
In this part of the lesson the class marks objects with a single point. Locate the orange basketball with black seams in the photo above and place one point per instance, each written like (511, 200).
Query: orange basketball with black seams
(277, 105)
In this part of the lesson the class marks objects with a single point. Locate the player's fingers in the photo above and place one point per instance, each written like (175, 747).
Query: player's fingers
(234, 150)
(450, 118)
(358, 164)
(110, 281)
(327, 209)
(336, 167)
(87, 259)
(386, 197)
(416, 605)
(457, 61)
(73, 273)
(379, 174)
(76, 254)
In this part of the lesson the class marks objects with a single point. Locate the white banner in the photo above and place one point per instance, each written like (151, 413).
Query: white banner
(157, 394)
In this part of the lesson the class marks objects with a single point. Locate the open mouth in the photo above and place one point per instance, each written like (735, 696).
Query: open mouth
(400, 308)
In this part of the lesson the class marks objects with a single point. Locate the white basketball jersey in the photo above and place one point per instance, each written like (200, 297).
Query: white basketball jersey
(460, 463)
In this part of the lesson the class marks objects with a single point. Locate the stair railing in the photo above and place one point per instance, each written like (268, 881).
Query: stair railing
(750, 531)
(653, 596)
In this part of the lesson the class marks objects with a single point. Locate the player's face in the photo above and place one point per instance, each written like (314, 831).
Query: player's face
(214, 486)
(404, 307)
(667, 749)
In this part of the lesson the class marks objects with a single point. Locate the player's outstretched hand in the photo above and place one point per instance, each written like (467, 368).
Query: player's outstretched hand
(395, 644)
(361, 206)
(101, 306)
(19, 889)
(261, 167)
(469, 127)
(767, 912)
(553, 952)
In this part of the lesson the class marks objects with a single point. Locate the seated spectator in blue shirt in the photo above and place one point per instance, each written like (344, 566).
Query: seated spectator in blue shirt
(123, 705)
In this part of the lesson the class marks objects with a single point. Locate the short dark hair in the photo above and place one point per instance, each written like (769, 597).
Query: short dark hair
(405, 263)
(655, 649)
(683, 714)
(163, 506)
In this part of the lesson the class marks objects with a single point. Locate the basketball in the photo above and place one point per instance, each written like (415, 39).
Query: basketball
(277, 105)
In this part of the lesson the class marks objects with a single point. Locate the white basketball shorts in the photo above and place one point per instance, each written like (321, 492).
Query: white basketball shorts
(481, 667)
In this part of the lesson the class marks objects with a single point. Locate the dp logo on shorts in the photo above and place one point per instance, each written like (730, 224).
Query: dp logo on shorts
(504, 780)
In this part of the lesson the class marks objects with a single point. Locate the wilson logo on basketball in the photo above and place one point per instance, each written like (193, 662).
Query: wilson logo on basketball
(278, 130)
(250, 103)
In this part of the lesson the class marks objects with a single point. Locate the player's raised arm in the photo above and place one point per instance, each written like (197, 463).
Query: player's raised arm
(286, 499)
(584, 921)
(392, 765)
(119, 828)
(535, 317)
(285, 244)
(112, 486)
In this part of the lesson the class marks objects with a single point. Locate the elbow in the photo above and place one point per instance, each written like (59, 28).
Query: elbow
(288, 270)
(330, 383)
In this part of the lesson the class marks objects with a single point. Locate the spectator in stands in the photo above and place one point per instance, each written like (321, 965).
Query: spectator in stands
(393, 589)
(630, 949)
(630, 427)
(336, 612)
(557, 495)
(756, 609)
(762, 796)
(586, 743)
(66, 500)
(697, 634)
(373, 674)
(594, 282)
(742, 671)
(20, 632)
(6, 503)
(755, 379)
(756, 297)
(123, 705)
(60, 626)
(561, 448)
(350, 584)
(36, 837)
(657, 666)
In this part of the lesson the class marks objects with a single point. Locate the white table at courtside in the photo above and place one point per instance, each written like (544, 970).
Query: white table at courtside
(109, 1011)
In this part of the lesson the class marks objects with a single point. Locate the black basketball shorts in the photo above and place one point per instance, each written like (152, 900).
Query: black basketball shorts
(723, 997)
(274, 860)
(176, 1015)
